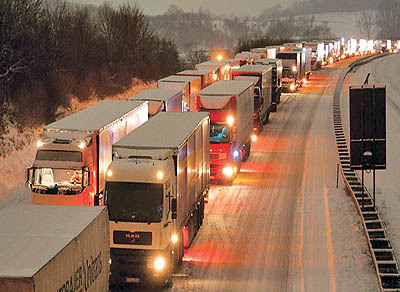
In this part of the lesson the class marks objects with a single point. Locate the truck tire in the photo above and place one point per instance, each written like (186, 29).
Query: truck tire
(267, 116)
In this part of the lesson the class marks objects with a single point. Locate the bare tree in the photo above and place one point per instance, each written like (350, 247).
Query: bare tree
(365, 23)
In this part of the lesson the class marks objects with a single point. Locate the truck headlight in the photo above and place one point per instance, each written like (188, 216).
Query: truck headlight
(174, 238)
(228, 171)
(39, 143)
(292, 87)
(159, 264)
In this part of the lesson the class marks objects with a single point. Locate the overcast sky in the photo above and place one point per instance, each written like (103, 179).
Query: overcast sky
(225, 7)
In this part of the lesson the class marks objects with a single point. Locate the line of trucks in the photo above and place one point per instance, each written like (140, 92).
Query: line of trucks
(149, 160)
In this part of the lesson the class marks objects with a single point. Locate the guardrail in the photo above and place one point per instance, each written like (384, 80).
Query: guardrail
(386, 265)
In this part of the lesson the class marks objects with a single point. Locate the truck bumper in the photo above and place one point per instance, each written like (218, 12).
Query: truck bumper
(137, 266)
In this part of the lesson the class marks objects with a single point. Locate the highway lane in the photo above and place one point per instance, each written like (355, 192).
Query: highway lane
(282, 225)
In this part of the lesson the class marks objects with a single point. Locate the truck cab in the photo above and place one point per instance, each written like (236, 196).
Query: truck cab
(145, 244)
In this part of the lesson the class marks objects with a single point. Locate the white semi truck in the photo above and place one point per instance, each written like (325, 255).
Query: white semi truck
(155, 191)
(54, 248)
(74, 153)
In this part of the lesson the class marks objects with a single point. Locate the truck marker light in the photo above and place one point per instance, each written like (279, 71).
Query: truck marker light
(253, 138)
(39, 143)
(81, 145)
(174, 238)
(109, 172)
(160, 175)
(215, 77)
(294, 68)
(159, 263)
(292, 87)
(230, 120)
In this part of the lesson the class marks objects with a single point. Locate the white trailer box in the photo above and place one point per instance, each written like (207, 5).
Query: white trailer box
(189, 85)
(160, 100)
(54, 248)
(158, 180)
(81, 142)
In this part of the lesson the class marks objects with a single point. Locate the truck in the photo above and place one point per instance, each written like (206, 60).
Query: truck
(160, 100)
(54, 248)
(276, 80)
(244, 58)
(317, 54)
(74, 153)
(206, 76)
(189, 85)
(305, 64)
(262, 92)
(221, 68)
(266, 53)
(291, 73)
(155, 191)
(231, 107)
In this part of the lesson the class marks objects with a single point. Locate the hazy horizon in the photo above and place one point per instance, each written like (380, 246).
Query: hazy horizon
(221, 7)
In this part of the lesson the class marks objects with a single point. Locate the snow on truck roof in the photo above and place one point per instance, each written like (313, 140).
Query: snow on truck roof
(166, 130)
(253, 68)
(158, 94)
(178, 78)
(193, 72)
(227, 87)
(32, 235)
(97, 116)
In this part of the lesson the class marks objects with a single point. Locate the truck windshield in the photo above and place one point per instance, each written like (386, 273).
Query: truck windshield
(57, 181)
(288, 73)
(219, 133)
(134, 202)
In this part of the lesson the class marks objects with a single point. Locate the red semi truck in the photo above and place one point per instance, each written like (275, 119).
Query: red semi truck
(231, 107)
(74, 153)
(262, 91)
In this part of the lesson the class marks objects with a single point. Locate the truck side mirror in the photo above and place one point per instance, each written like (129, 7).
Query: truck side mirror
(86, 177)
(29, 176)
(174, 208)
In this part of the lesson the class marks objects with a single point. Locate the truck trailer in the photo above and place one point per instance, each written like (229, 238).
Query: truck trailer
(189, 85)
(155, 191)
(277, 69)
(160, 100)
(54, 248)
(205, 76)
(231, 107)
(74, 153)
(291, 74)
(262, 91)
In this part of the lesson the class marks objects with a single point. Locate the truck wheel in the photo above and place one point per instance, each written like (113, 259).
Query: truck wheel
(181, 253)
(266, 117)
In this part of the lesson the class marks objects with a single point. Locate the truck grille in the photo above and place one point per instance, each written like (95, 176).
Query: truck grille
(214, 156)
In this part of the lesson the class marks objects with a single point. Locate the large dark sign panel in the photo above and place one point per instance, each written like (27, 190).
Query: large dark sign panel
(368, 127)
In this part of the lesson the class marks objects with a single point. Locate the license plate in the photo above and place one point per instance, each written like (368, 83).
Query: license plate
(132, 280)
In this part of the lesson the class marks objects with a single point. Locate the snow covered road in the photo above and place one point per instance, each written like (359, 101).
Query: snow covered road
(283, 225)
